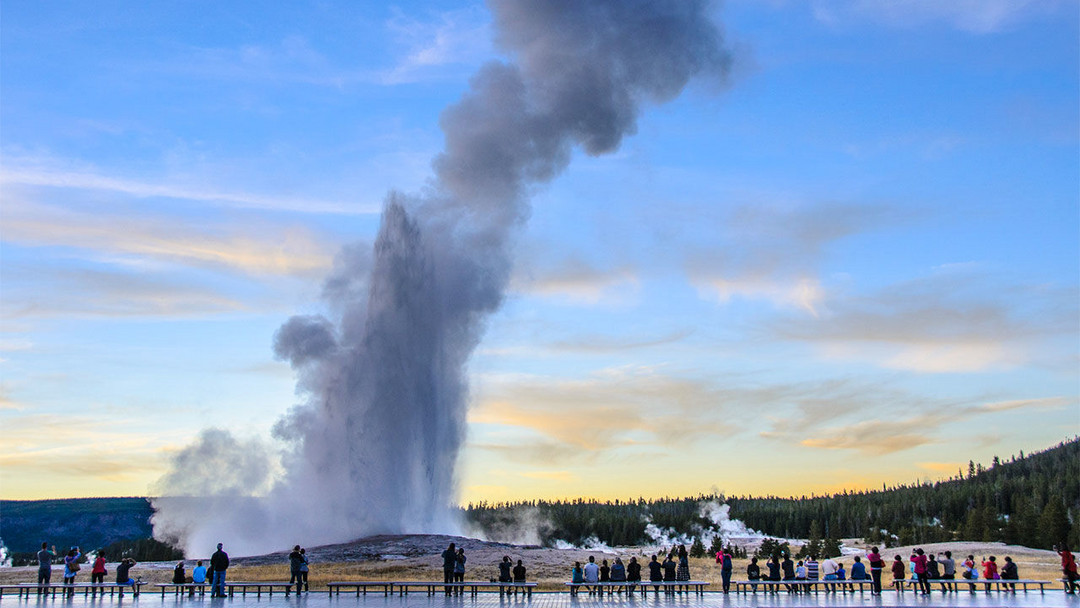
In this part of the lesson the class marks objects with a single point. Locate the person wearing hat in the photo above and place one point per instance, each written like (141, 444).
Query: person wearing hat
(219, 563)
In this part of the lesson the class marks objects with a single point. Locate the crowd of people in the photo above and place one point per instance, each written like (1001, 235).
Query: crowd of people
(925, 569)
(73, 565)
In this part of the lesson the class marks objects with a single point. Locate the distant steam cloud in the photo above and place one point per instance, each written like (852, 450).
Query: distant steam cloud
(372, 448)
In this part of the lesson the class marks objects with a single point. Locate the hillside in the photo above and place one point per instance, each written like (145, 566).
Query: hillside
(87, 522)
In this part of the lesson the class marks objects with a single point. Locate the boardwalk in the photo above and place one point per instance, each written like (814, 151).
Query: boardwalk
(557, 600)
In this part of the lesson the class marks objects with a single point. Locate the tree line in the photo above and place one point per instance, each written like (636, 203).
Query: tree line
(1031, 500)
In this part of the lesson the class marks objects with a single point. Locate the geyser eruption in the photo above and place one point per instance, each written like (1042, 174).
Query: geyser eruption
(372, 448)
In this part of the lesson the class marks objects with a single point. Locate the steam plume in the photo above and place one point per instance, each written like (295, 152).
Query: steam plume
(373, 447)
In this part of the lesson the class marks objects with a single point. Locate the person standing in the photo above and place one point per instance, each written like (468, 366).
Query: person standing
(219, 563)
(449, 558)
(811, 569)
(97, 574)
(682, 573)
(726, 566)
(459, 570)
(296, 559)
(45, 559)
(304, 567)
(71, 568)
(876, 565)
(919, 560)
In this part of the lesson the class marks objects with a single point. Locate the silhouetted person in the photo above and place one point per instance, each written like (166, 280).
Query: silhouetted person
(1009, 572)
(296, 559)
(304, 567)
(449, 558)
(633, 573)
(459, 570)
(219, 563)
(656, 571)
(519, 572)
(45, 559)
(753, 571)
(504, 569)
(123, 572)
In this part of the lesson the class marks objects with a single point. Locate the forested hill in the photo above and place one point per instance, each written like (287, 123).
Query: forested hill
(90, 523)
(1028, 500)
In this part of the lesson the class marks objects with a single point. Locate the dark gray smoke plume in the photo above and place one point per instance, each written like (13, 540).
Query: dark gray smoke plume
(373, 447)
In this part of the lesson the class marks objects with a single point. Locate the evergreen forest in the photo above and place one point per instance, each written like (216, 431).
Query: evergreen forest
(1031, 500)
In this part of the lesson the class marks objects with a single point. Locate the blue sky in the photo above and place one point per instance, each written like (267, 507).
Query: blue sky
(857, 262)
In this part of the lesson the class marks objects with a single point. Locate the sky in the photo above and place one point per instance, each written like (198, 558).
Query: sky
(856, 263)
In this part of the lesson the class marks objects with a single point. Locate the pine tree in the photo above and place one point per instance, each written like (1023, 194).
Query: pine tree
(1053, 524)
(717, 544)
(698, 548)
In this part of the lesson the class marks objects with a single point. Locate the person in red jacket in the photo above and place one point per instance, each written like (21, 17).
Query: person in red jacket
(898, 572)
(990, 569)
(97, 575)
(919, 559)
(1068, 568)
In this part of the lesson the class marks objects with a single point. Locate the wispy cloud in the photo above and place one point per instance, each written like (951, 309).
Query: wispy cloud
(272, 250)
(105, 293)
(595, 343)
(773, 253)
(956, 320)
(575, 280)
(976, 16)
(77, 446)
(452, 37)
(894, 434)
(50, 174)
(610, 408)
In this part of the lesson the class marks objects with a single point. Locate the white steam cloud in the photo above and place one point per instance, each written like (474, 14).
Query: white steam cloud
(720, 524)
(372, 448)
